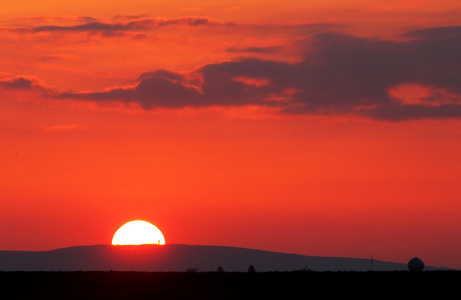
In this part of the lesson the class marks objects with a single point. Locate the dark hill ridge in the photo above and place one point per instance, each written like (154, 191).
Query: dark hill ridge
(178, 258)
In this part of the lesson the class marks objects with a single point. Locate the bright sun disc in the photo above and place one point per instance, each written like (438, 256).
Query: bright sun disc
(138, 233)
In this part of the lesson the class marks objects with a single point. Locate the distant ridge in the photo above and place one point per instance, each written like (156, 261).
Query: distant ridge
(179, 258)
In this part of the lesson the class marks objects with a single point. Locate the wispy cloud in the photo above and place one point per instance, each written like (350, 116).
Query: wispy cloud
(57, 57)
(59, 128)
(130, 25)
(257, 50)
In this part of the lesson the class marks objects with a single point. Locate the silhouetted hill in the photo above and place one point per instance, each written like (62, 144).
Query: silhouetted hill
(178, 258)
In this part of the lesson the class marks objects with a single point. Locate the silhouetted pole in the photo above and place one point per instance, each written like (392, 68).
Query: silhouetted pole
(371, 262)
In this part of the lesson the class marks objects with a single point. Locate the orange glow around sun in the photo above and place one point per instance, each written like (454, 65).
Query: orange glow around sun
(138, 233)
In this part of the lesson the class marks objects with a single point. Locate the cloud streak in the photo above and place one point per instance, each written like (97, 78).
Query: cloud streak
(256, 50)
(132, 25)
(61, 128)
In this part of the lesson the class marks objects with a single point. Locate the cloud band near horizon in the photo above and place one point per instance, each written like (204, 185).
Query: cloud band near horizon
(340, 74)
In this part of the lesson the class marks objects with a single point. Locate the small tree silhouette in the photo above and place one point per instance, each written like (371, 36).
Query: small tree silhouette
(251, 269)
(220, 269)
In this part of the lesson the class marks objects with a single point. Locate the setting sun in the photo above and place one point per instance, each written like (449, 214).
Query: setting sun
(138, 233)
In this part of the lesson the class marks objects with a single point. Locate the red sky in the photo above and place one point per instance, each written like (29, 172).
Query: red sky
(330, 128)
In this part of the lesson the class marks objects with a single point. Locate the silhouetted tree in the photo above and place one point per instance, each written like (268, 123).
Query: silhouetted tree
(192, 270)
(251, 269)
(415, 264)
(220, 269)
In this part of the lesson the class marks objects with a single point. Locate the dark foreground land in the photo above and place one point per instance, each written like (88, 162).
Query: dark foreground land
(226, 285)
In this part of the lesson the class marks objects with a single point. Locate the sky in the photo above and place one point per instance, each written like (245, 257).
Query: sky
(327, 128)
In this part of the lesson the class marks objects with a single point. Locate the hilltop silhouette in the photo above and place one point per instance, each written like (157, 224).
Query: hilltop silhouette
(179, 258)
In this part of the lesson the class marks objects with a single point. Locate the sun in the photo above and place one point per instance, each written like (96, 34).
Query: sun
(138, 232)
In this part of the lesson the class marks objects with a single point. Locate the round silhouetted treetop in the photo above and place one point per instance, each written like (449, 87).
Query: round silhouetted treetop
(415, 264)
(251, 269)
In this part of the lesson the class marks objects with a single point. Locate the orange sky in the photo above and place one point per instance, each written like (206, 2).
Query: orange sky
(330, 128)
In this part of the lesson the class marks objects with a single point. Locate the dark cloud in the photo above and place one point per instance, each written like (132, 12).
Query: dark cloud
(130, 17)
(90, 26)
(340, 74)
(414, 112)
(256, 50)
(17, 83)
(156, 89)
(24, 83)
(52, 18)
(436, 32)
(137, 24)
(123, 23)
(236, 82)
(348, 74)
